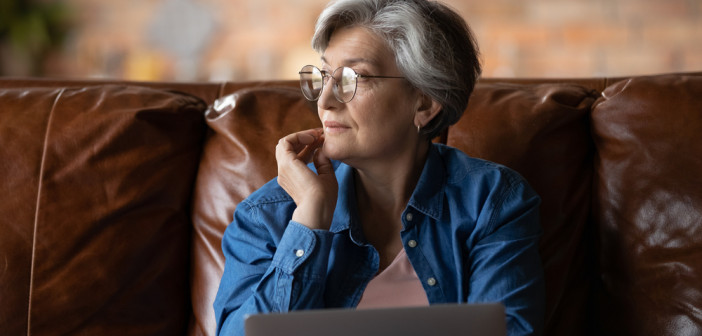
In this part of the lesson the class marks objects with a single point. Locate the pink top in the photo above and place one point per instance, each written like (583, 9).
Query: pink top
(396, 286)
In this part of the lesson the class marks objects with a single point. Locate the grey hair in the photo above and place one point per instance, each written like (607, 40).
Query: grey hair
(434, 48)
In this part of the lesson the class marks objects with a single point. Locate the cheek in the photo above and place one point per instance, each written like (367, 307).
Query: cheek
(382, 121)
(389, 109)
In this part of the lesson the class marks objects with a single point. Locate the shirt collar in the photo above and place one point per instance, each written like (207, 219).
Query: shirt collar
(346, 208)
(428, 195)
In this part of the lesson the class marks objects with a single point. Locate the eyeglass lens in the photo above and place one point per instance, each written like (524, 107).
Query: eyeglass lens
(312, 82)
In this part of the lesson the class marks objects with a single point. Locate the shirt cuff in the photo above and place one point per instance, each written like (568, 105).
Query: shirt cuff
(300, 244)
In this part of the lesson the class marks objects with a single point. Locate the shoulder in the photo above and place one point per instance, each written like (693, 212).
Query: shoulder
(466, 172)
(463, 169)
(489, 192)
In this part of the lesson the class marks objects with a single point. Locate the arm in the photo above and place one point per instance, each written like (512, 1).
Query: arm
(264, 271)
(271, 266)
(504, 261)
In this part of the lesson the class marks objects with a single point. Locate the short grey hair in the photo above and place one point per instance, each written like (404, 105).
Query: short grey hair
(434, 47)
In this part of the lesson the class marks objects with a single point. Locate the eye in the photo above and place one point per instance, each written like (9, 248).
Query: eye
(362, 78)
(361, 74)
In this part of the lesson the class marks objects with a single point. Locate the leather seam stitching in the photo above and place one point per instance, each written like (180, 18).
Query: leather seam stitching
(36, 211)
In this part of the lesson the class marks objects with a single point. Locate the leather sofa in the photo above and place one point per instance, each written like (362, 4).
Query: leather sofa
(115, 196)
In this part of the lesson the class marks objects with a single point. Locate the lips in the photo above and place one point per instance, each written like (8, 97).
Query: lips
(334, 127)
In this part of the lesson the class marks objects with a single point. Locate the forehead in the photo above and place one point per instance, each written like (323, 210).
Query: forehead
(357, 45)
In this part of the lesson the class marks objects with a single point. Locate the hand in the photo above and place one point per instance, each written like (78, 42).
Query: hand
(314, 194)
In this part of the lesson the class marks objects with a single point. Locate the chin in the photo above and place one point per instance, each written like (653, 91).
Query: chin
(335, 152)
(331, 153)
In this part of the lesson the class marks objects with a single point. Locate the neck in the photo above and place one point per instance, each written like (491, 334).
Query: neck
(386, 187)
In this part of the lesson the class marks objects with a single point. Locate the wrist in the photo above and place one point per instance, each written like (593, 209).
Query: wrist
(315, 215)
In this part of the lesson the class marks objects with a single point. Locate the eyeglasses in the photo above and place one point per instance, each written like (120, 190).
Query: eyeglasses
(312, 82)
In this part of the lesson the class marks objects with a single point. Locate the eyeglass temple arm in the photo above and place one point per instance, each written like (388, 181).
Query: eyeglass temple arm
(369, 76)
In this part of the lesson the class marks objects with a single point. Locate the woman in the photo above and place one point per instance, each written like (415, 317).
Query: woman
(383, 217)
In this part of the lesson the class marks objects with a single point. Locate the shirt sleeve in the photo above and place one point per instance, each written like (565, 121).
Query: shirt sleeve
(269, 267)
(505, 263)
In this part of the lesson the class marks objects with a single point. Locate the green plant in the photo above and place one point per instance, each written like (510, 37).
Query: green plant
(30, 29)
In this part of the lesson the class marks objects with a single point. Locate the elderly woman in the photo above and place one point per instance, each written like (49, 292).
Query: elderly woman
(383, 217)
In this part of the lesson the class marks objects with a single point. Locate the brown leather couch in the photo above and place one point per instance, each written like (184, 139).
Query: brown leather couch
(115, 196)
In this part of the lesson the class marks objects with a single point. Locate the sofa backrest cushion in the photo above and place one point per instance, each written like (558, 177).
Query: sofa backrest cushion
(238, 158)
(95, 232)
(542, 132)
(648, 205)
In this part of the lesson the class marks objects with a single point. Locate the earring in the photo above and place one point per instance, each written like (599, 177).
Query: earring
(419, 128)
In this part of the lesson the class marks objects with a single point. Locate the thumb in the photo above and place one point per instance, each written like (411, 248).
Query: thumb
(322, 163)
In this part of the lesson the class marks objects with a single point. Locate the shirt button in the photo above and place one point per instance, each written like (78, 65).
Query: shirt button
(431, 282)
(409, 216)
(299, 253)
(412, 243)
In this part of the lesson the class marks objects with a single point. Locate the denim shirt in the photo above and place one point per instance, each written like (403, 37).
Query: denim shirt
(470, 230)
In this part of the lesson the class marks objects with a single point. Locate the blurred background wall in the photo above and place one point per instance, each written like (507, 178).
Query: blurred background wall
(214, 40)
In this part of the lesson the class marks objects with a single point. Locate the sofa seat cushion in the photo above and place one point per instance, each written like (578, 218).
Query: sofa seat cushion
(96, 185)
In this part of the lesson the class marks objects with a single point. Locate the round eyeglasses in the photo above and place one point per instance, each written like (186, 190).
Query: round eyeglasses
(312, 82)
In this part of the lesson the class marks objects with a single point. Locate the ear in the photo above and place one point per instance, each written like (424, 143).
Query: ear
(427, 109)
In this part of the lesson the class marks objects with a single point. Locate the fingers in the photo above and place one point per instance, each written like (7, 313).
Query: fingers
(303, 138)
(300, 145)
(323, 164)
(306, 154)
(313, 193)
(292, 154)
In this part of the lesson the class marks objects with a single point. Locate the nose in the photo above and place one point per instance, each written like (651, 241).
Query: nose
(327, 100)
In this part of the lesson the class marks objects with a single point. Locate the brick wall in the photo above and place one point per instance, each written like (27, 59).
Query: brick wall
(265, 39)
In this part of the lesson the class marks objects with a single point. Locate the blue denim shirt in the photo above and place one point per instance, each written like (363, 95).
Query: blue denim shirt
(470, 230)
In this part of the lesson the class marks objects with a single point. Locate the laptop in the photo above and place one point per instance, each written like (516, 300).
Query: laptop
(485, 319)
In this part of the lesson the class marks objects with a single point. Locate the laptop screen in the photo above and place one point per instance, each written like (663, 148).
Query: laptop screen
(445, 320)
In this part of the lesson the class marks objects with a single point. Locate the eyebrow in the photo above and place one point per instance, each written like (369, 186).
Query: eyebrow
(354, 61)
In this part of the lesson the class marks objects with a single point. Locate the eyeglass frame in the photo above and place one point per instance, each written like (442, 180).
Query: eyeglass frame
(335, 87)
